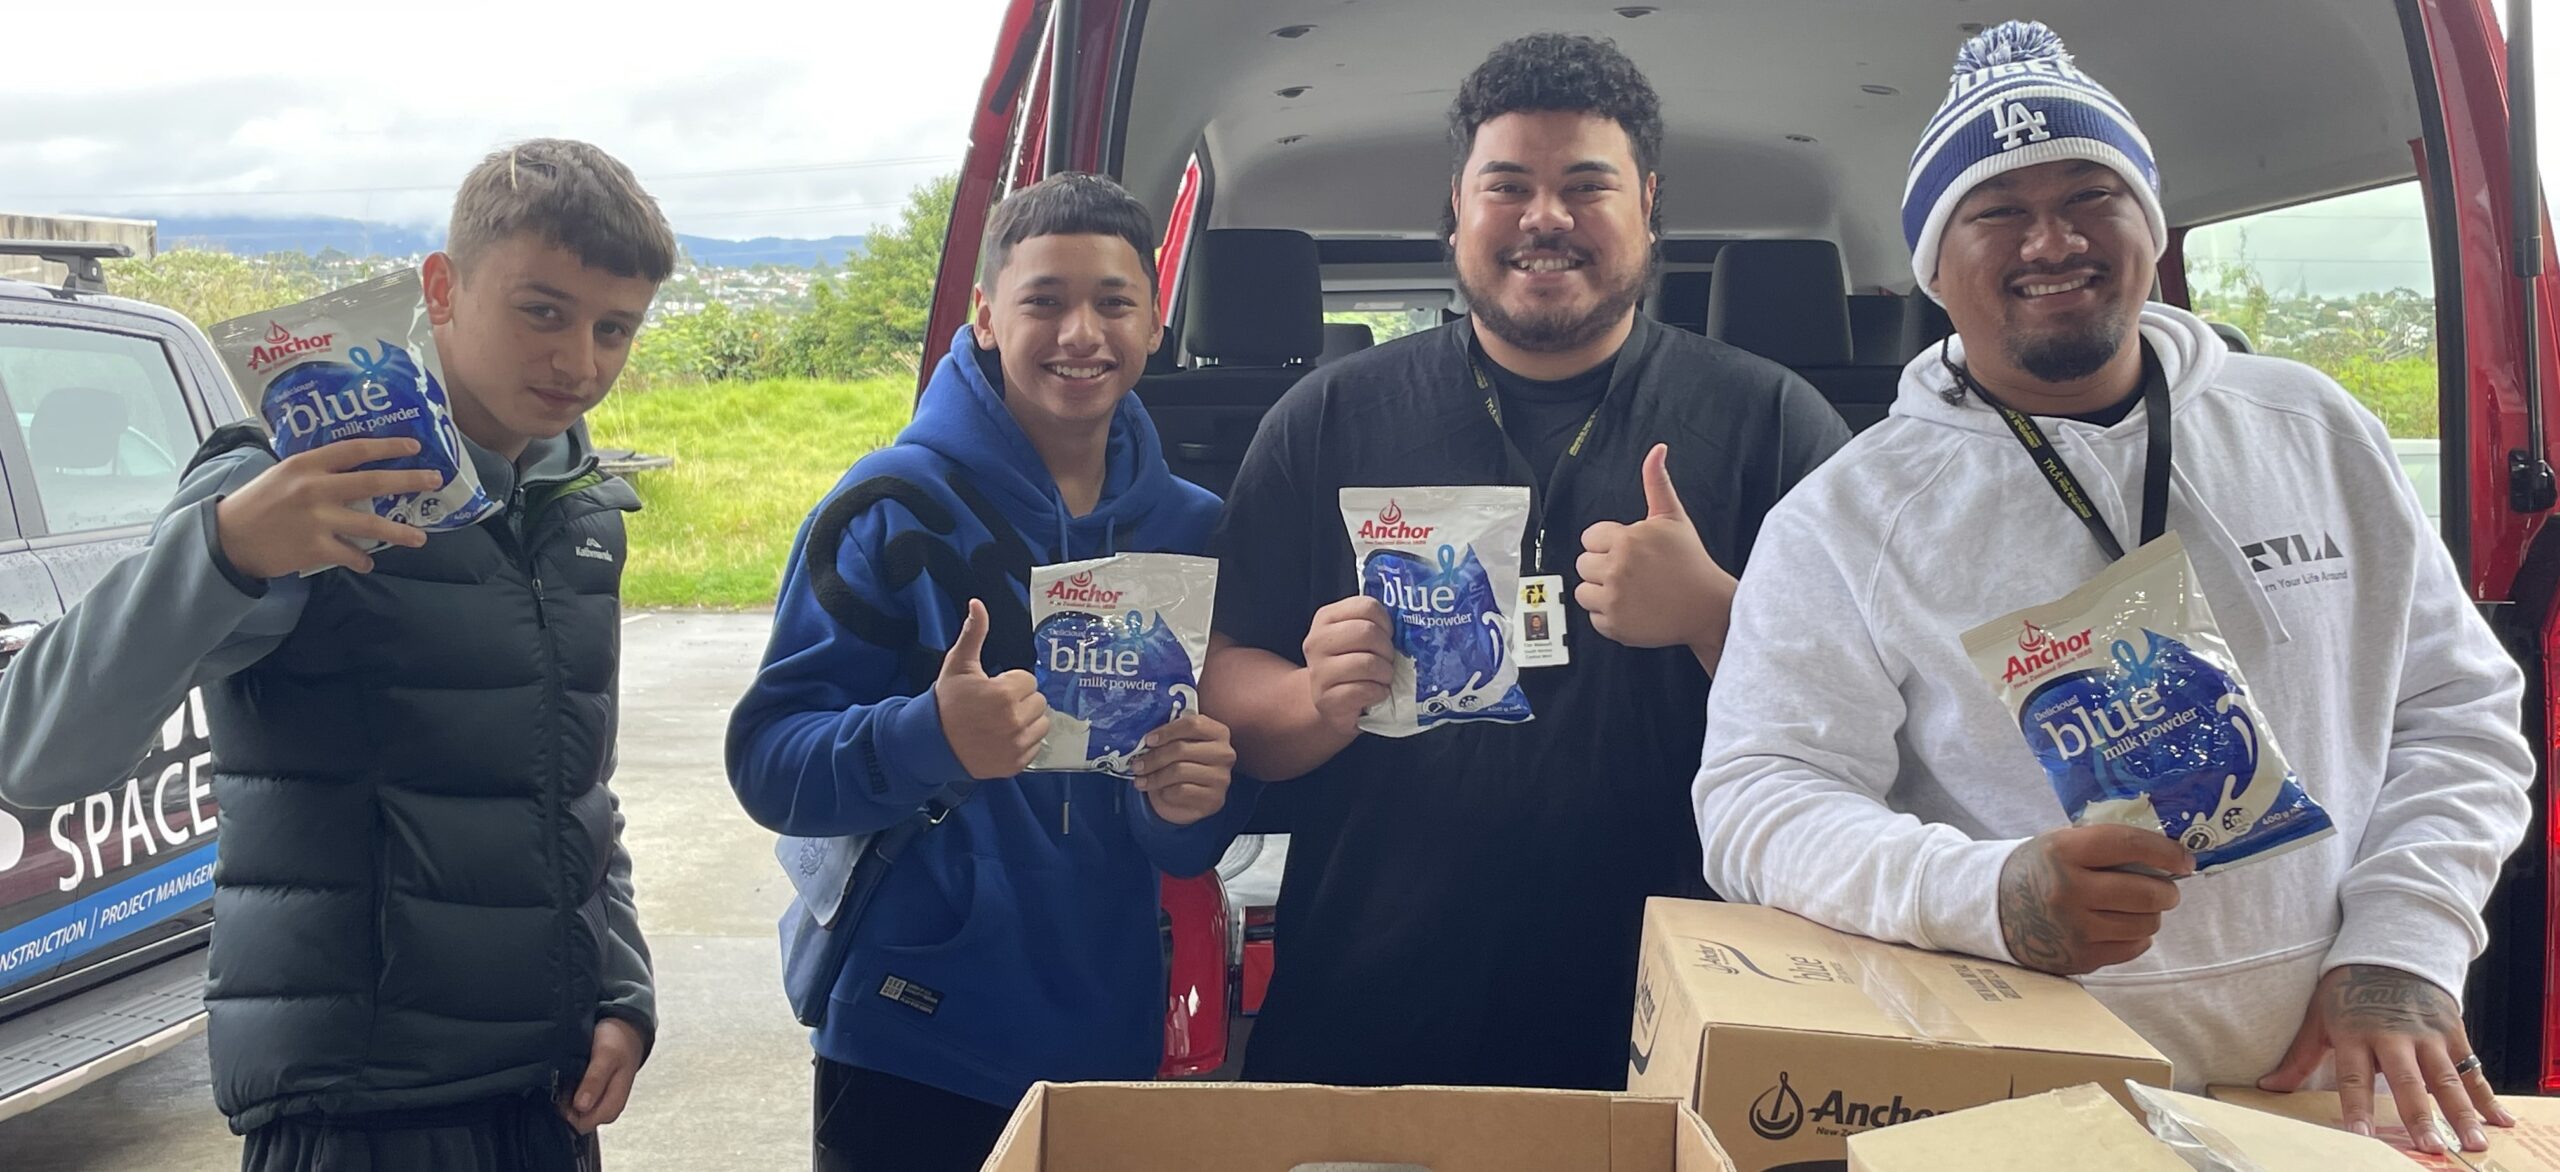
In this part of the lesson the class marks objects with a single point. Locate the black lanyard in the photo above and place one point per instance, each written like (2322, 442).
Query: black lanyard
(2155, 466)
(1540, 493)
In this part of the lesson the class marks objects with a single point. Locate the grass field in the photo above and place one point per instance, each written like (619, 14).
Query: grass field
(752, 458)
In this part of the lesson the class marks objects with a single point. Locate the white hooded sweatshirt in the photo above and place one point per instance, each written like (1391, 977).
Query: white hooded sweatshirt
(1858, 770)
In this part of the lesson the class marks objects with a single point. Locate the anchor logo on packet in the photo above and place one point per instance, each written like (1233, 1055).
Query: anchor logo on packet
(2136, 708)
(359, 363)
(1118, 645)
(1443, 561)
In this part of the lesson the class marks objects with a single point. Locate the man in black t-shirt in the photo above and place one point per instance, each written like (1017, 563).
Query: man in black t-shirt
(1462, 906)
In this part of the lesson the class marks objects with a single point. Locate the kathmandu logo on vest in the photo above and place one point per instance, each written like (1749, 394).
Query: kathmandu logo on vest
(2039, 649)
(2017, 125)
(1081, 590)
(1390, 527)
(594, 549)
(282, 344)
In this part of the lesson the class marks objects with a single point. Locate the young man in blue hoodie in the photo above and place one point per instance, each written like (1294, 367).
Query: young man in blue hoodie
(1016, 940)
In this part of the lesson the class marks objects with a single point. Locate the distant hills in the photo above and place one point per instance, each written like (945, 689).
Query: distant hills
(314, 235)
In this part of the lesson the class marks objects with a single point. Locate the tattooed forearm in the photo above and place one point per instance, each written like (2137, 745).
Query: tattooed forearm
(2036, 936)
(2373, 999)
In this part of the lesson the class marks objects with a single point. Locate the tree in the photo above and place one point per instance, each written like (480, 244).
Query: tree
(872, 319)
(2380, 346)
(708, 345)
(208, 287)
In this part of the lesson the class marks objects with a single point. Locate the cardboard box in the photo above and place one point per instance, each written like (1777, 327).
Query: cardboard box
(2087, 1124)
(1788, 1037)
(1232, 1127)
(2532, 1145)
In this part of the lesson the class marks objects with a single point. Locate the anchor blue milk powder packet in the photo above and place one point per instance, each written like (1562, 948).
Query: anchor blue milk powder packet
(1118, 645)
(1446, 563)
(359, 363)
(2136, 707)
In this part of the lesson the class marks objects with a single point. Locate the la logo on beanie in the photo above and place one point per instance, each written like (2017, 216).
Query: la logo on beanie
(2017, 126)
(2016, 99)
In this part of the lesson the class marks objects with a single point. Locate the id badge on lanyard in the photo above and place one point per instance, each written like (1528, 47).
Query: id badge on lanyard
(1538, 637)
(1538, 619)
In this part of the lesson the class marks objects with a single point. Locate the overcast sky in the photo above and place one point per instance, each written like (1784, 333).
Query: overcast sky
(745, 117)
(282, 105)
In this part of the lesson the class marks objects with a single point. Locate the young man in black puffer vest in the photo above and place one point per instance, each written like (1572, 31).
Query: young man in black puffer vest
(426, 954)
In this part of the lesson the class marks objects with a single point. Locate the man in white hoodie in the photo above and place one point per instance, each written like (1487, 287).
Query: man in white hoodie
(1858, 771)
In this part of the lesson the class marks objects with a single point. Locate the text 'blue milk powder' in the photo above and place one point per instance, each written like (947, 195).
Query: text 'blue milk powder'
(2129, 697)
(1445, 562)
(1118, 645)
(359, 363)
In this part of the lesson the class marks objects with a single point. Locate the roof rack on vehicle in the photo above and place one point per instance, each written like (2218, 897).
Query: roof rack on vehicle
(81, 257)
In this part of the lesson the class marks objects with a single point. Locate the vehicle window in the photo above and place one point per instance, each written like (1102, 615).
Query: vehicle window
(2346, 285)
(1388, 315)
(105, 423)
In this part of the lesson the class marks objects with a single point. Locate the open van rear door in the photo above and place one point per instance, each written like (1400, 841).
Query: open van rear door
(2495, 300)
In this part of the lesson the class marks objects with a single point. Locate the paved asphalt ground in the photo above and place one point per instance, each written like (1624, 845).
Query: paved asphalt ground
(727, 1087)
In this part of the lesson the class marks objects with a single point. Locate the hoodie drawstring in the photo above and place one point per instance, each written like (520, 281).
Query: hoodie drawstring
(2218, 538)
(2225, 545)
(1066, 541)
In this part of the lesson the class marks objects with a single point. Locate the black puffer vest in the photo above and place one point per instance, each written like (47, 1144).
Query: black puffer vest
(409, 897)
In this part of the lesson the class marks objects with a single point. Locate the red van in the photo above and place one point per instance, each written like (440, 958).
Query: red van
(2339, 177)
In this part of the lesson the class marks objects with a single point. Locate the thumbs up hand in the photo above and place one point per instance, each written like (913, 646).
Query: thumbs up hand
(1652, 583)
(994, 724)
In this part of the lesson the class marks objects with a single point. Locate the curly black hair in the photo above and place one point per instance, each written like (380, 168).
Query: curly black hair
(1564, 72)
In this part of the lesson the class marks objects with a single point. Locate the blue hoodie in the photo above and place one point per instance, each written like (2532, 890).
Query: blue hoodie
(1018, 940)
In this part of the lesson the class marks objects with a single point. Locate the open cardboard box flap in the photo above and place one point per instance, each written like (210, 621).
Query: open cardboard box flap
(1226, 1127)
(2098, 1135)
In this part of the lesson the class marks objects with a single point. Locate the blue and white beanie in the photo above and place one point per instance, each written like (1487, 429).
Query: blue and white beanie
(2016, 101)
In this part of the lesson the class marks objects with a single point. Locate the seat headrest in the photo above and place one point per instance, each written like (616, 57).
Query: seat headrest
(1876, 329)
(1784, 300)
(77, 428)
(1345, 337)
(1684, 300)
(2233, 337)
(1924, 323)
(1257, 297)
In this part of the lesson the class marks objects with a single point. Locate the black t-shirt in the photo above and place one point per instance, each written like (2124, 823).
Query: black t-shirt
(1543, 415)
(1463, 906)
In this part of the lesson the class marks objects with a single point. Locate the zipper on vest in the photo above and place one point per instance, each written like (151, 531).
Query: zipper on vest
(555, 816)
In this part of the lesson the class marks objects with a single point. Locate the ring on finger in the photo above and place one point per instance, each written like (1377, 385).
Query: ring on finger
(2467, 1065)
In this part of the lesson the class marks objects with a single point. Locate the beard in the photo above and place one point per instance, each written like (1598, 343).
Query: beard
(1560, 327)
(2066, 357)
(2072, 352)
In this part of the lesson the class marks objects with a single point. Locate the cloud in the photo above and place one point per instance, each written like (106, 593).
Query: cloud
(744, 118)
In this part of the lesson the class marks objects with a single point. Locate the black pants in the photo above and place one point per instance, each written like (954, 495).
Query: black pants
(519, 1134)
(867, 1121)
